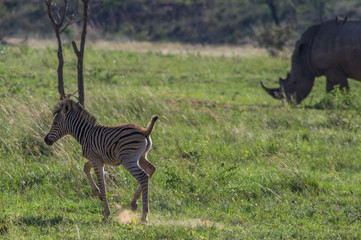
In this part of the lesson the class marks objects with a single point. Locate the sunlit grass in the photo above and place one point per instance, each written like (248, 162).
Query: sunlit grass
(231, 161)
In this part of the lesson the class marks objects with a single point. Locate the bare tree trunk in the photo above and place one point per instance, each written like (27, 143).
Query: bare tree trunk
(80, 54)
(60, 68)
(57, 26)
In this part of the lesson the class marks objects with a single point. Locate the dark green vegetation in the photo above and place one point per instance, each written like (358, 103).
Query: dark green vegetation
(269, 22)
(231, 162)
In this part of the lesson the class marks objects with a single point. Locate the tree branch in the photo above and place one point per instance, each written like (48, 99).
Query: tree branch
(75, 48)
(273, 10)
(69, 21)
(64, 13)
(48, 5)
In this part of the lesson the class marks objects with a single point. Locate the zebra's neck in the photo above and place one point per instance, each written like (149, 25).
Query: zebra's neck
(80, 129)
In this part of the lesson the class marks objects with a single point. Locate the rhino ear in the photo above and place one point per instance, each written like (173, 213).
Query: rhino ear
(302, 48)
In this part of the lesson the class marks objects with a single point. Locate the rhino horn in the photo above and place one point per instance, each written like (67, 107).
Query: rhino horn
(274, 92)
(282, 81)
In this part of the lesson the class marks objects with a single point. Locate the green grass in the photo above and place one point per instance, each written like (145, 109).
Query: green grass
(232, 163)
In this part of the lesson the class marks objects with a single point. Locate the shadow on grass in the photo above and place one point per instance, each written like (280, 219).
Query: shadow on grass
(40, 221)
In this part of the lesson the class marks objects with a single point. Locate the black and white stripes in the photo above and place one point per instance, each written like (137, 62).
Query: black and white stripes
(125, 144)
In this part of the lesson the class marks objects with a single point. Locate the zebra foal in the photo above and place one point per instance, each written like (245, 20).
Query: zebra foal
(126, 144)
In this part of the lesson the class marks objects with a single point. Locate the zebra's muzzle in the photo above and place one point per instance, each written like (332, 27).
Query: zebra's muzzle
(48, 141)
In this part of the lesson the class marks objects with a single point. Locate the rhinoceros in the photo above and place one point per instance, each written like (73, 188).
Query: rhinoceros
(331, 48)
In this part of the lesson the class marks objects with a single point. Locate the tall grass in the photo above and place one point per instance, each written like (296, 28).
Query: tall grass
(231, 162)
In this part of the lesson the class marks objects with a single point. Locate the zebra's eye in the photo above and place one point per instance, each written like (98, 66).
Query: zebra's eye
(55, 123)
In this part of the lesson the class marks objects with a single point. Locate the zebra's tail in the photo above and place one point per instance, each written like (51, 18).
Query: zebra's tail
(150, 127)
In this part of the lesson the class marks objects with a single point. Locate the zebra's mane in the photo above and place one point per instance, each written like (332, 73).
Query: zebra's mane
(77, 108)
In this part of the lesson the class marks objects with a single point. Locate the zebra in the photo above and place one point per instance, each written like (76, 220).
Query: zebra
(126, 144)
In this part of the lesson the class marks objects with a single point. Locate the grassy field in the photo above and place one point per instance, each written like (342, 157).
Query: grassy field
(232, 163)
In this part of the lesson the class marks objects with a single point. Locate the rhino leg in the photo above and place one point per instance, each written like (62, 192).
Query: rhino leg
(335, 77)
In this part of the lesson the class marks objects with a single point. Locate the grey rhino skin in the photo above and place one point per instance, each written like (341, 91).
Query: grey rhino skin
(332, 49)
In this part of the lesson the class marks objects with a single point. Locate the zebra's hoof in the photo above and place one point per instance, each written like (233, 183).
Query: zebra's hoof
(105, 217)
(106, 214)
(134, 205)
(144, 219)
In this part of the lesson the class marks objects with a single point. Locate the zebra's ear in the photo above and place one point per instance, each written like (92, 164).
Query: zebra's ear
(65, 109)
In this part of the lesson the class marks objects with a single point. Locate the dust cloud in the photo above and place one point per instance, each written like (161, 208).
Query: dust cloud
(125, 216)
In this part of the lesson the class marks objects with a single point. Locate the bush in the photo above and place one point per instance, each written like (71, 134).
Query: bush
(272, 37)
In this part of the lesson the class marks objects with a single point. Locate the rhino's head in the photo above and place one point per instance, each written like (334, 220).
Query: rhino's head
(299, 81)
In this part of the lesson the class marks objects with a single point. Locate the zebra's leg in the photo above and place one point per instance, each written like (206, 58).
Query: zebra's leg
(95, 189)
(149, 168)
(99, 171)
(143, 179)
